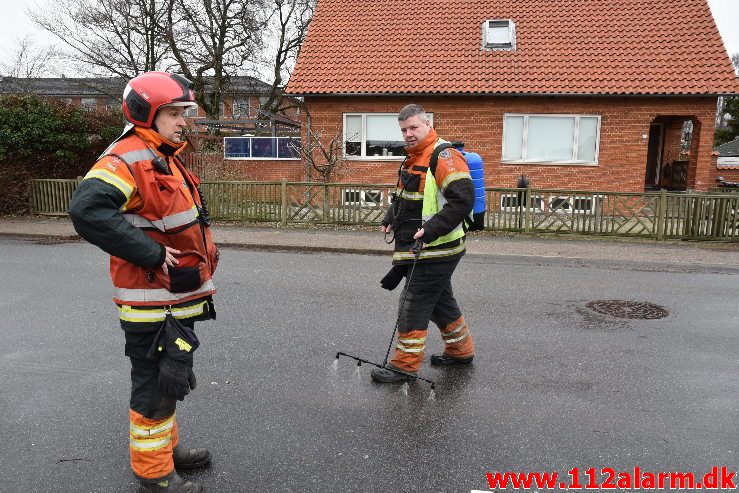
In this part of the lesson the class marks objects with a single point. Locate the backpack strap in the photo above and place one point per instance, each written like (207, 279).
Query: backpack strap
(435, 156)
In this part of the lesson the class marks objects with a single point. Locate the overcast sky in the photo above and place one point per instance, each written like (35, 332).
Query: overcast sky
(15, 24)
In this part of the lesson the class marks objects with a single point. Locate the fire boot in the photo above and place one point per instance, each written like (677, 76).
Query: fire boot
(193, 458)
(447, 360)
(170, 484)
(386, 375)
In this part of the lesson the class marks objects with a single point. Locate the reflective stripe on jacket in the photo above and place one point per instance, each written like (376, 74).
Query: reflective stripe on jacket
(422, 196)
(165, 207)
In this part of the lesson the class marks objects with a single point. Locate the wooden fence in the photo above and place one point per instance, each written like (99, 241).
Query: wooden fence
(658, 215)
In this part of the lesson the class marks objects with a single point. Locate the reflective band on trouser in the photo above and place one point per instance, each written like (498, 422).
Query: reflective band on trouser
(160, 295)
(134, 314)
(150, 444)
(409, 350)
(458, 339)
(167, 222)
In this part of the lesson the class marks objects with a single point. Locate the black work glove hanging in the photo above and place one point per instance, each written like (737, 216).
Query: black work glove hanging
(176, 345)
(393, 277)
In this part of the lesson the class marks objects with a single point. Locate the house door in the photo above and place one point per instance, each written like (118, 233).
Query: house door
(654, 155)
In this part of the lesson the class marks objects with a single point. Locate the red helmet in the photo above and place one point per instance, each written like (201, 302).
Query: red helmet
(148, 92)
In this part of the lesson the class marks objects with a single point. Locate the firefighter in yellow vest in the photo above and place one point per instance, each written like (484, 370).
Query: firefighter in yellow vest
(429, 205)
(140, 205)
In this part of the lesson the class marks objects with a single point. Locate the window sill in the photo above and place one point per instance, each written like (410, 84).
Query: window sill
(261, 158)
(551, 163)
(374, 158)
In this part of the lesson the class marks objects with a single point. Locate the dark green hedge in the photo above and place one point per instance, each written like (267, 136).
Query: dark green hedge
(46, 138)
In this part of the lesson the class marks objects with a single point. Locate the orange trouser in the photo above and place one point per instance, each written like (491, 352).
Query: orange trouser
(151, 442)
(457, 339)
(409, 349)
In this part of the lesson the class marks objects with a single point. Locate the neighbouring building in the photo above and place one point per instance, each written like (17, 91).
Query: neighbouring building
(728, 160)
(588, 95)
(255, 143)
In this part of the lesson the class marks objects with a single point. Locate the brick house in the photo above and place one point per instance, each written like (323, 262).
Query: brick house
(587, 94)
(728, 160)
(243, 100)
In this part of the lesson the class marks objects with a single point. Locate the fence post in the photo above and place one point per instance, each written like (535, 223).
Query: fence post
(527, 210)
(325, 202)
(284, 202)
(661, 214)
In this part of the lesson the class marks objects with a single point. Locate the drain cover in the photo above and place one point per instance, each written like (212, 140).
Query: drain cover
(628, 309)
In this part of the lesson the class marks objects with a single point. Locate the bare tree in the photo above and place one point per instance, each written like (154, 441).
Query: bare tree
(326, 159)
(288, 24)
(211, 40)
(119, 37)
(721, 113)
(30, 61)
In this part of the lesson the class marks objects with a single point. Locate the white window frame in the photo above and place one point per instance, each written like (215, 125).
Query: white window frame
(239, 108)
(259, 158)
(727, 161)
(363, 141)
(191, 112)
(537, 199)
(363, 197)
(575, 144)
(570, 200)
(89, 103)
(486, 28)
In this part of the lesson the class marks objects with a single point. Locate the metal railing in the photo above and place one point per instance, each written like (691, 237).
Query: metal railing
(659, 215)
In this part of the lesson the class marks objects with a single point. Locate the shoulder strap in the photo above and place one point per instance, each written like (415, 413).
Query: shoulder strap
(435, 156)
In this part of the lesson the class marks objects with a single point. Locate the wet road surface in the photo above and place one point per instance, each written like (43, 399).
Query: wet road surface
(554, 385)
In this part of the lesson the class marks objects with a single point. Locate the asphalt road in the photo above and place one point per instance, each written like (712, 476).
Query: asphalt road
(554, 385)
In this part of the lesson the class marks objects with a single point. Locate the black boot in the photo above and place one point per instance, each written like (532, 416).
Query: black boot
(446, 360)
(193, 458)
(386, 375)
(170, 484)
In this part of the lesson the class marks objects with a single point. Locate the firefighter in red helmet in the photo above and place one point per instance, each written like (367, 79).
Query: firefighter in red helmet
(139, 204)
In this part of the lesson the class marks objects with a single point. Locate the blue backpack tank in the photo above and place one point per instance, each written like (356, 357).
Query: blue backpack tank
(476, 219)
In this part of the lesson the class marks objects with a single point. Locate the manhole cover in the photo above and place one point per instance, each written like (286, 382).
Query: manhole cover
(628, 309)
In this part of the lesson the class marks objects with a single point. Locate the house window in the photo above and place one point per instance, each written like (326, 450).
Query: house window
(241, 108)
(363, 197)
(567, 204)
(89, 103)
(191, 111)
(261, 147)
(514, 201)
(499, 34)
(374, 136)
(551, 139)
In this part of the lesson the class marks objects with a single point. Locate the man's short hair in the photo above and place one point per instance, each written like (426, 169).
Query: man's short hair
(412, 110)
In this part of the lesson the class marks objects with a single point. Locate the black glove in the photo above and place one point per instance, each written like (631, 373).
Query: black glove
(191, 380)
(393, 278)
(176, 345)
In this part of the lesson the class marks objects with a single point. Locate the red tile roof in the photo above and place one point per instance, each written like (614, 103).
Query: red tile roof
(563, 47)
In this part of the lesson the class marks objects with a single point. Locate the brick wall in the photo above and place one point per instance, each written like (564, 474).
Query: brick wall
(478, 121)
(214, 167)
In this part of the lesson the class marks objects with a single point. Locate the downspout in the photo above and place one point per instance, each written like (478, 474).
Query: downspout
(307, 138)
